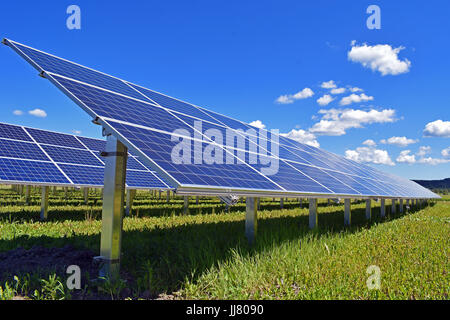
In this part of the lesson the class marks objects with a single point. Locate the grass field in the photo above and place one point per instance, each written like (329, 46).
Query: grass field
(204, 255)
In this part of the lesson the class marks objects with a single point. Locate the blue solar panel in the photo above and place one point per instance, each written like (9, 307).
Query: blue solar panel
(174, 104)
(142, 179)
(57, 139)
(93, 144)
(13, 132)
(56, 65)
(12, 170)
(132, 163)
(84, 175)
(302, 168)
(158, 147)
(104, 104)
(21, 150)
(69, 155)
(85, 168)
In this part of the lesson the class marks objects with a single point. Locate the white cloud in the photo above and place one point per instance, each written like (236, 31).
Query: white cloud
(399, 141)
(423, 150)
(76, 131)
(370, 143)
(446, 152)
(355, 98)
(406, 157)
(335, 122)
(355, 89)
(303, 137)
(290, 98)
(18, 112)
(325, 100)
(382, 58)
(369, 155)
(38, 113)
(338, 90)
(437, 128)
(433, 161)
(258, 124)
(328, 84)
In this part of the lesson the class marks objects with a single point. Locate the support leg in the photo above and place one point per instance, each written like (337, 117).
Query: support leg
(281, 203)
(251, 219)
(44, 203)
(394, 206)
(313, 213)
(347, 213)
(86, 195)
(368, 209)
(130, 198)
(400, 208)
(112, 213)
(383, 208)
(27, 195)
(168, 196)
(186, 205)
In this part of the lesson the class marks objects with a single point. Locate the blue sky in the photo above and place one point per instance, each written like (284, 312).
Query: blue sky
(239, 57)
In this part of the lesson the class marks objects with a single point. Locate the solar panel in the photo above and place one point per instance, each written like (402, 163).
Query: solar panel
(151, 124)
(52, 158)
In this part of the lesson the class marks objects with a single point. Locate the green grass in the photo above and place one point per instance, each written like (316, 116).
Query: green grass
(205, 255)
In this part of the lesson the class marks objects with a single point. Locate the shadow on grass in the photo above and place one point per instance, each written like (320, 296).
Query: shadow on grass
(160, 260)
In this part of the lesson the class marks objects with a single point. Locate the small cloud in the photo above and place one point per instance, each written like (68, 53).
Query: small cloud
(328, 85)
(38, 113)
(355, 98)
(335, 122)
(290, 98)
(302, 136)
(399, 141)
(433, 161)
(423, 150)
(258, 124)
(370, 143)
(369, 155)
(446, 152)
(355, 89)
(437, 128)
(382, 58)
(18, 112)
(76, 131)
(406, 157)
(338, 90)
(325, 100)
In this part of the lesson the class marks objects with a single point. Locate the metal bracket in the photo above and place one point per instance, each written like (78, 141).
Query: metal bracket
(4, 41)
(42, 74)
(230, 200)
(95, 121)
(112, 154)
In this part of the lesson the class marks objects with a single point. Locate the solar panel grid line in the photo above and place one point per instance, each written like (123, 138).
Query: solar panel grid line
(42, 149)
(48, 158)
(32, 160)
(91, 151)
(138, 143)
(58, 63)
(214, 143)
(152, 172)
(126, 95)
(394, 185)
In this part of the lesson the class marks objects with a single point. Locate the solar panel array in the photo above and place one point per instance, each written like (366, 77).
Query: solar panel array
(33, 156)
(144, 120)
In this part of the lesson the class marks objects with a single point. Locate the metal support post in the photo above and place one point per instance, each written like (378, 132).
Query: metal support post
(251, 219)
(112, 213)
